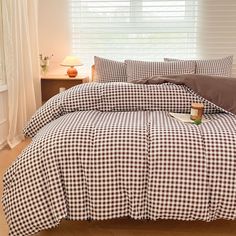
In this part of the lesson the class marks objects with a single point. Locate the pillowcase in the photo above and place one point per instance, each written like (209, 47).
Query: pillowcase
(109, 70)
(145, 70)
(214, 67)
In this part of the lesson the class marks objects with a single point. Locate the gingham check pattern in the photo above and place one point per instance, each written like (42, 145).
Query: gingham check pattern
(145, 69)
(91, 158)
(214, 67)
(109, 70)
(117, 97)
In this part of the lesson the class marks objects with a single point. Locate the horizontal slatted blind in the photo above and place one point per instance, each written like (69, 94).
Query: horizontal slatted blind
(153, 29)
(134, 29)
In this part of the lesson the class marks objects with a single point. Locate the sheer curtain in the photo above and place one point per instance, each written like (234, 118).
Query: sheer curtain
(2, 68)
(217, 29)
(21, 63)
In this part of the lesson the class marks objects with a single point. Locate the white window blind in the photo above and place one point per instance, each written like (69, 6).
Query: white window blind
(134, 29)
(153, 29)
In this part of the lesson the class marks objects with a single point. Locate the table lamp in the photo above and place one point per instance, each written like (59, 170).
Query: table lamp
(71, 61)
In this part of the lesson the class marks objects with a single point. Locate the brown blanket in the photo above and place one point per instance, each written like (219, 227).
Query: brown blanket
(219, 90)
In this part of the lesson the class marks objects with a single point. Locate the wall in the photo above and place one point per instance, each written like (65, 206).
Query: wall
(3, 116)
(54, 32)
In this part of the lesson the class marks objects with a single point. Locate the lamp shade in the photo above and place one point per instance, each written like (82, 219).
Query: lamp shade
(71, 61)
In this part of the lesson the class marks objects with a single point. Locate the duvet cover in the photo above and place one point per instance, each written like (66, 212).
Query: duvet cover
(104, 151)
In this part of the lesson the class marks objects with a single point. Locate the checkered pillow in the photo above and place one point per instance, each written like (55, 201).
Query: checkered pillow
(109, 70)
(216, 67)
(144, 69)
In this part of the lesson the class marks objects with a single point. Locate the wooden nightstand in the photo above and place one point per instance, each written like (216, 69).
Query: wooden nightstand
(51, 84)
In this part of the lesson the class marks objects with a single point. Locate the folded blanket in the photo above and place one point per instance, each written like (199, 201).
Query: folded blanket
(218, 90)
(118, 97)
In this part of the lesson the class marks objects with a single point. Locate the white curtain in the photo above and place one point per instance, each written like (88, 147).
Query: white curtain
(217, 29)
(21, 62)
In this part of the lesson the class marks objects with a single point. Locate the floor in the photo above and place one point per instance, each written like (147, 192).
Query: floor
(121, 227)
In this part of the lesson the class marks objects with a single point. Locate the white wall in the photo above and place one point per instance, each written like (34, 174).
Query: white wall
(54, 31)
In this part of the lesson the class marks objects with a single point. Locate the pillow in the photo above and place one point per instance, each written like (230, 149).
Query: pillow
(145, 70)
(109, 70)
(216, 67)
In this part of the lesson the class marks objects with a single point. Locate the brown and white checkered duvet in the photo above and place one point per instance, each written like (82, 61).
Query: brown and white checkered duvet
(103, 151)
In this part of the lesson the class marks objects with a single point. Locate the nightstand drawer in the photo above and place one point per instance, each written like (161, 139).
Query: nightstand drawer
(51, 86)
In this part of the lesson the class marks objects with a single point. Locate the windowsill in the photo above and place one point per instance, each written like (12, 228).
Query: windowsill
(3, 88)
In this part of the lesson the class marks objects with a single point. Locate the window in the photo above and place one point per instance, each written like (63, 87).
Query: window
(153, 29)
(134, 29)
(2, 68)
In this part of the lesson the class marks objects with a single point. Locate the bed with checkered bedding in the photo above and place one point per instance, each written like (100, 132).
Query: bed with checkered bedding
(104, 151)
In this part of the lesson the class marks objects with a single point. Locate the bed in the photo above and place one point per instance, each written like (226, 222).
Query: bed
(102, 151)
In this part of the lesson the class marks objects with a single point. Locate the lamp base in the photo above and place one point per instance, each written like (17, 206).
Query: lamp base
(72, 72)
